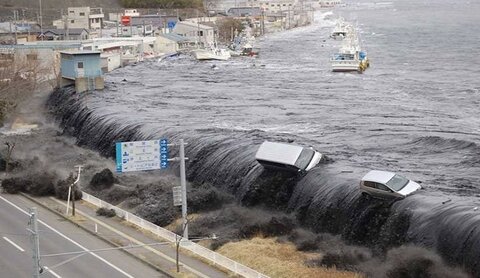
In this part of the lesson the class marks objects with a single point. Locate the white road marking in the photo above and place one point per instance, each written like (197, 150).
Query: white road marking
(71, 240)
(14, 244)
(53, 273)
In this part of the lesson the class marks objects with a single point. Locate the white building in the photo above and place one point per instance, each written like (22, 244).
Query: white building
(195, 32)
(131, 12)
(170, 43)
(273, 6)
(320, 4)
(82, 17)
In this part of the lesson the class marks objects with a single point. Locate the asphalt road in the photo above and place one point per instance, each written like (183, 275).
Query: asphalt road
(57, 236)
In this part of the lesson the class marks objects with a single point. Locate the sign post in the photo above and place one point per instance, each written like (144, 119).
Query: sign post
(153, 155)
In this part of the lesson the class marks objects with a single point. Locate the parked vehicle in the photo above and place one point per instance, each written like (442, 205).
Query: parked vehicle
(287, 157)
(387, 185)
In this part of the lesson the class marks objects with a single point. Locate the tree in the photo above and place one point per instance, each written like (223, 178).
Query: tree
(18, 80)
(228, 27)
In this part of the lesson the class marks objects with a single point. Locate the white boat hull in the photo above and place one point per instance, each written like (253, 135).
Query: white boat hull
(346, 66)
(204, 54)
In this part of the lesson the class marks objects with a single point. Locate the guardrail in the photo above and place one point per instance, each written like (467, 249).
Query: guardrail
(197, 249)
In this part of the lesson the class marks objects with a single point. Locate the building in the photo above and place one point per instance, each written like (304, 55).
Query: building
(245, 11)
(158, 22)
(131, 12)
(195, 32)
(82, 68)
(41, 57)
(64, 34)
(83, 17)
(315, 4)
(274, 6)
(171, 43)
(144, 30)
(15, 32)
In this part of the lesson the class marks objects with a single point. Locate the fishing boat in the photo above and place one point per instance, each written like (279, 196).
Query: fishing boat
(350, 57)
(242, 44)
(211, 53)
(341, 29)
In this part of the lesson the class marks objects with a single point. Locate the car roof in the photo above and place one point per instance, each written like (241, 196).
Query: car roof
(378, 176)
(278, 152)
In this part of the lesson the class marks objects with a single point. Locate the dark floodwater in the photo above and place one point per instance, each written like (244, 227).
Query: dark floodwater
(415, 111)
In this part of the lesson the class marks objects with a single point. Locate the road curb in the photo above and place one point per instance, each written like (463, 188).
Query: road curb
(96, 235)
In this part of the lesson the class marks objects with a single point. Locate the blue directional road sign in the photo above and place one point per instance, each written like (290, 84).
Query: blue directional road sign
(163, 154)
(141, 155)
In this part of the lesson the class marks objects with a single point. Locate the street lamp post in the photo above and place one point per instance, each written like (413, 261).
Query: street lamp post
(70, 192)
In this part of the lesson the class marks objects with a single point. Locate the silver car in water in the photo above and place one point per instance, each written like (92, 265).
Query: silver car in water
(287, 157)
(387, 185)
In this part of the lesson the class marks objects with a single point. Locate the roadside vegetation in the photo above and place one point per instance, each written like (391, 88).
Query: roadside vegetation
(18, 81)
(228, 27)
(21, 77)
(280, 260)
(40, 183)
(106, 212)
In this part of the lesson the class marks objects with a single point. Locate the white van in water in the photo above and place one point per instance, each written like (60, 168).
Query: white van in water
(287, 157)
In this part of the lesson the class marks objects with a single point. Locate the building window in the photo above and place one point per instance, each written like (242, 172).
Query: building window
(80, 65)
(82, 14)
(72, 12)
(200, 33)
(72, 21)
(32, 57)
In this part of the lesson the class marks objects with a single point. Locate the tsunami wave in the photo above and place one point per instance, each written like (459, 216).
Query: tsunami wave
(323, 199)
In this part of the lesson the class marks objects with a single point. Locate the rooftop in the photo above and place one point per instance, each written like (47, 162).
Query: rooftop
(81, 52)
(175, 37)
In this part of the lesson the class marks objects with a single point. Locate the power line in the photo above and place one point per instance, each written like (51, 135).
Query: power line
(107, 249)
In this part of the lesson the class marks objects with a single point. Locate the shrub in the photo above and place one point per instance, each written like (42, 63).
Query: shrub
(106, 212)
(13, 185)
(102, 180)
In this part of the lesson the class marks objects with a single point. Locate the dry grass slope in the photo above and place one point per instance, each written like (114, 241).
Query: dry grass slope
(278, 260)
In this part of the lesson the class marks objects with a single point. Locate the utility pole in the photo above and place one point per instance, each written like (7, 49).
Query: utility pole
(33, 228)
(41, 19)
(177, 245)
(180, 192)
(263, 22)
(183, 184)
(15, 18)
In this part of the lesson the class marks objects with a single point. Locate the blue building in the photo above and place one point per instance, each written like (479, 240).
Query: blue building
(82, 68)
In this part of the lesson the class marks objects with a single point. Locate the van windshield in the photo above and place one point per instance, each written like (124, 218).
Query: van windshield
(304, 158)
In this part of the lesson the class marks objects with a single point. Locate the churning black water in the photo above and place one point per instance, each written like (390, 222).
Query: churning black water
(415, 111)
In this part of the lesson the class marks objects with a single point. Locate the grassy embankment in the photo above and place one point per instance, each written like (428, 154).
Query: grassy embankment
(279, 260)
